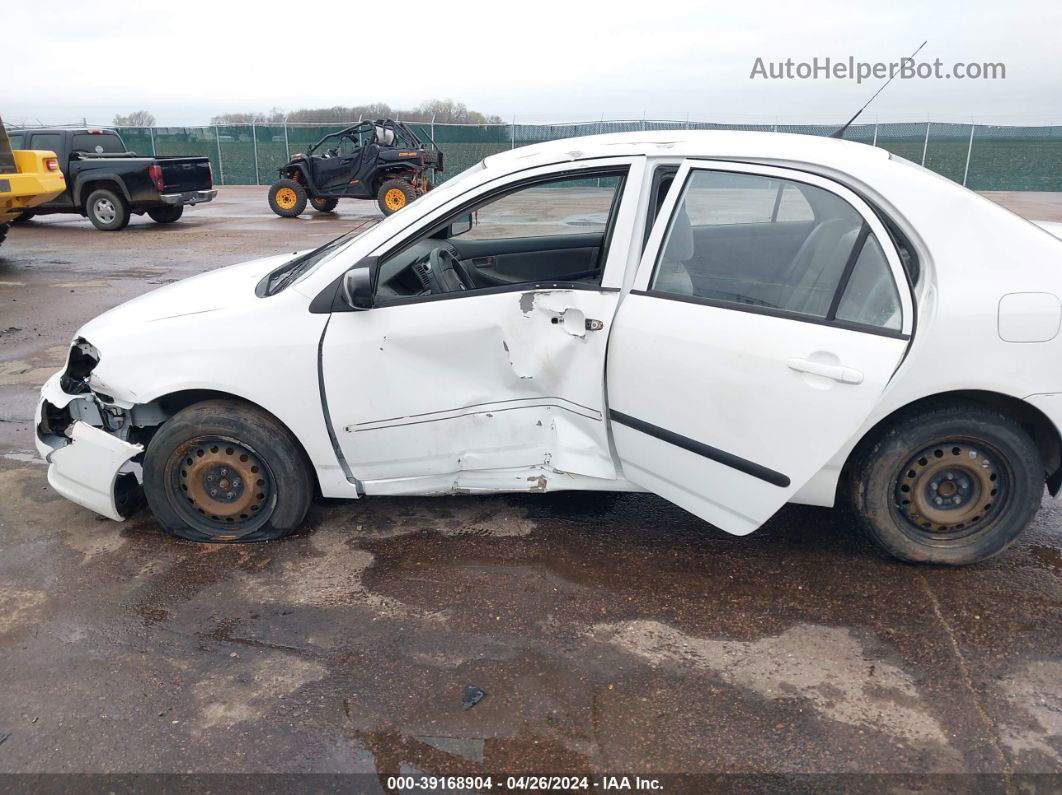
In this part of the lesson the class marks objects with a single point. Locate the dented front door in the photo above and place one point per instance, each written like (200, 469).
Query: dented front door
(497, 391)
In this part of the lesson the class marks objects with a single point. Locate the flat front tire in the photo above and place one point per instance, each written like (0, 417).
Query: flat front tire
(226, 472)
(949, 485)
(107, 210)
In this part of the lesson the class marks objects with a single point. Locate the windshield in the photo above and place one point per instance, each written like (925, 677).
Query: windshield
(290, 272)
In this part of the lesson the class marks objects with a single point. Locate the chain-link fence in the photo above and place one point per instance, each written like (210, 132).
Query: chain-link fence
(982, 157)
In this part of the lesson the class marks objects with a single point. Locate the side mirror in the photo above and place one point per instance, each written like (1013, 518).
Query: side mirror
(356, 287)
(460, 226)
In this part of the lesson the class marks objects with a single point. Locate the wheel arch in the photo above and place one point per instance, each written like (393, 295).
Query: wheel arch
(166, 406)
(84, 187)
(1035, 423)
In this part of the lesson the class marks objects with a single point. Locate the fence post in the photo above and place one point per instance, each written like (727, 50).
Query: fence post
(514, 134)
(875, 141)
(151, 132)
(969, 151)
(221, 167)
(254, 140)
(433, 128)
(925, 146)
(287, 149)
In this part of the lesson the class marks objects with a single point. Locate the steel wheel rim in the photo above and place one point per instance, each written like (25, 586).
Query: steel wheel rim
(104, 210)
(951, 490)
(286, 198)
(222, 487)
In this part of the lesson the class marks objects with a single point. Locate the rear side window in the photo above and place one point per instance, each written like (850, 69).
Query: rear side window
(49, 141)
(752, 241)
(99, 144)
(16, 140)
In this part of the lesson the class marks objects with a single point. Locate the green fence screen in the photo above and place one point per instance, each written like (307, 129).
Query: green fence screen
(982, 157)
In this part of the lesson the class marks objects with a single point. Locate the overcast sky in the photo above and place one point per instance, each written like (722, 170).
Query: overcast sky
(536, 61)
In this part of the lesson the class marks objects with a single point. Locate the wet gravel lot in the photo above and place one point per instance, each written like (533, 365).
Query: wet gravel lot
(609, 634)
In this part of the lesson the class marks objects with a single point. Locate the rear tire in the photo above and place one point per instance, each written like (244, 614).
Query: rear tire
(167, 214)
(226, 472)
(3, 232)
(107, 210)
(395, 194)
(23, 217)
(949, 485)
(287, 198)
(323, 204)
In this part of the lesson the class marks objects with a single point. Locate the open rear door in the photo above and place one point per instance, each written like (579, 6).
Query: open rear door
(768, 313)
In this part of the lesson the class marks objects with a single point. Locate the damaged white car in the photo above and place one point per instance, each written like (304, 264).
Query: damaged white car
(732, 321)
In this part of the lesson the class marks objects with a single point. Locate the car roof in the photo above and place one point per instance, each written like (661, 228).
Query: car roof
(731, 144)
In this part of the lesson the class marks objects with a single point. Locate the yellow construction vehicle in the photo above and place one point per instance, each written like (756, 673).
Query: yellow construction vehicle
(28, 177)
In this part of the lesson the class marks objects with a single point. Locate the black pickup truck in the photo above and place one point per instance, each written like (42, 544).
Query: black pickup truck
(106, 183)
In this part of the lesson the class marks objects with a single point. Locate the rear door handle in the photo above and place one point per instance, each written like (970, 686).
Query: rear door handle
(838, 372)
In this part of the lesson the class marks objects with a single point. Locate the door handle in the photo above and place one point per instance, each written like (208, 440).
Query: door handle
(838, 372)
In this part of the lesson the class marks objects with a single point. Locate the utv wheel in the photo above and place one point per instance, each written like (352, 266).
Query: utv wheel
(24, 216)
(950, 485)
(167, 214)
(287, 198)
(324, 205)
(226, 472)
(395, 194)
(107, 210)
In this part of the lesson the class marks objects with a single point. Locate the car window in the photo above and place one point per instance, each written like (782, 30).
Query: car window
(47, 141)
(16, 140)
(98, 143)
(554, 230)
(569, 206)
(755, 241)
(870, 296)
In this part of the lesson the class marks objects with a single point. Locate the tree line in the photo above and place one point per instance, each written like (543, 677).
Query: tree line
(444, 111)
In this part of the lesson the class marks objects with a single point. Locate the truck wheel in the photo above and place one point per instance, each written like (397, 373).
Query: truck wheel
(395, 194)
(107, 210)
(167, 214)
(324, 205)
(226, 472)
(3, 232)
(24, 216)
(287, 198)
(950, 485)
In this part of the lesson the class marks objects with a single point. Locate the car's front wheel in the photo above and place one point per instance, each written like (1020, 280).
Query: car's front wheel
(226, 472)
(287, 198)
(951, 485)
(166, 214)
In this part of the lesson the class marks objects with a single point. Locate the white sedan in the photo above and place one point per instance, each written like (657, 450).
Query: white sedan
(732, 321)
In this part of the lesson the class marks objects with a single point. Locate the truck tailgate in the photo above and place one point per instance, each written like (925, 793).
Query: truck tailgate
(181, 174)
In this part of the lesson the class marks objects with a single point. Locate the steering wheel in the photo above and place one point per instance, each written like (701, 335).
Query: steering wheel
(447, 273)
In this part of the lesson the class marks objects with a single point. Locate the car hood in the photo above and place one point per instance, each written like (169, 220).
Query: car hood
(219, 289)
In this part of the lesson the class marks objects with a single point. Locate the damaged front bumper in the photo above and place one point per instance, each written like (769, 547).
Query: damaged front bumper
(86, 464)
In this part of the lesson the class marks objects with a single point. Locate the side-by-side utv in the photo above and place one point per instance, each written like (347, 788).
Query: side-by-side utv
(382, 160)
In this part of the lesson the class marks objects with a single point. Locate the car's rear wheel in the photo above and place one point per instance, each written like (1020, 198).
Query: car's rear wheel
(107, 210)
(3, 231)
(395, 194)
(952, 485)
(24, 216)
(226, 472)
(167, 214)
(287, 198)
(324, 205)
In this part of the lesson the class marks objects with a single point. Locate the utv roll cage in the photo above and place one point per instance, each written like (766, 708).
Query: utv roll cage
(386, 132)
